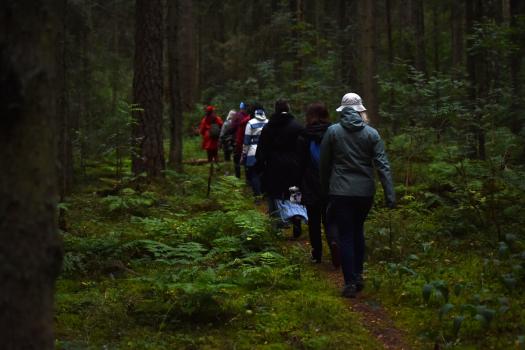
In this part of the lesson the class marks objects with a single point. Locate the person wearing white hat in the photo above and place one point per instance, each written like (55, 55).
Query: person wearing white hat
(350, 151)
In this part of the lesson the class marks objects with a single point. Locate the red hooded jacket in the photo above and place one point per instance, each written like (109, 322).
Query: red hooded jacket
(209, 143)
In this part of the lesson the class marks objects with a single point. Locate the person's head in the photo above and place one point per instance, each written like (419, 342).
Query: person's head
(353, 101)
(282, 107)
(210, 110)
(231, 114)
(242, 106)
(316, 113)
(253, 107)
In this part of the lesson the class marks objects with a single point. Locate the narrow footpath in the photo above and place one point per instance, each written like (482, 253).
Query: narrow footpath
(374, 318)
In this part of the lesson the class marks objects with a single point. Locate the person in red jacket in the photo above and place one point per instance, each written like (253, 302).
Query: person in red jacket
(210, 130)
(238, 126)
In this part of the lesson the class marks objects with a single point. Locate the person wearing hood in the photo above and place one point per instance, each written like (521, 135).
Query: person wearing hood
(277, 160)
(349, 152)
(252, 133)
(226, 137)
(238, 127)
(317, 122)
(210, 130)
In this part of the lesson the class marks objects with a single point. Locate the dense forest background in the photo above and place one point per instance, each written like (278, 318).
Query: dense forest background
(159, 252)
(434, 70)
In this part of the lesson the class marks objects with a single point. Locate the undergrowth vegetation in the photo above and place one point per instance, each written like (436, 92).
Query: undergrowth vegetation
(449, 262)
(163, 267)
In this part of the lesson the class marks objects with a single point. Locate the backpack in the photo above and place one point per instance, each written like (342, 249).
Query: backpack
(315, 153)
(215, 130)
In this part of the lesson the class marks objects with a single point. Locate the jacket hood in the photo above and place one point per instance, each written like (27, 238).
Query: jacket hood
(351, 120)
(316, 131)
(260, 116)
(281, 119)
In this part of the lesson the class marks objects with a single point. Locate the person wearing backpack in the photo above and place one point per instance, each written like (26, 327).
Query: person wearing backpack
(226, 137)
(238, 126)
(309, 146)
(350, 151)
(251, 139)
(210, 130)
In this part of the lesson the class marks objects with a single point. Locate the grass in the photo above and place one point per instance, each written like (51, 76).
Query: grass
(181, 271)
(161, 266)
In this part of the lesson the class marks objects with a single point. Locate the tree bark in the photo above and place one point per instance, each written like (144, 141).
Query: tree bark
(189, 62)
(476, 67)
(419, 32)
(65, 145)
(30, 250)
(147, 137)
(367, 12)
(176, 114)
(390, 46)
(457, 15)
(517, 8)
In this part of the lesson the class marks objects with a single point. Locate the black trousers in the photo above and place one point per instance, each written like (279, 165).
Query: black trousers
(237, 164)
(349, 215)
(213, 155)
(316, 222)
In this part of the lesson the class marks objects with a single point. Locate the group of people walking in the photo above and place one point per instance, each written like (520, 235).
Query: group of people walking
(319, 173)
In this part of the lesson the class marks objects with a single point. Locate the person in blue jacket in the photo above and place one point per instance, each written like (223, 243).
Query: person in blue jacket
(349, 152)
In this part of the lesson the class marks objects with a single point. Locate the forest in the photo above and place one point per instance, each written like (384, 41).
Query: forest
(117, 232)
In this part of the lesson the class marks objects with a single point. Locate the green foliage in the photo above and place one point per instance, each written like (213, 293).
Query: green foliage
(129, 200)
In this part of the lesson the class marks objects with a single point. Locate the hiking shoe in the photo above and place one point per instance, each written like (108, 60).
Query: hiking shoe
(359, 284)
(315, 260)
(297, 230)
(336, 257)
(349, 291)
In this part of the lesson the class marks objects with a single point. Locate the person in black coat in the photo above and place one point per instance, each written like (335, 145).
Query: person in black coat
(308, 145)
(277, 159)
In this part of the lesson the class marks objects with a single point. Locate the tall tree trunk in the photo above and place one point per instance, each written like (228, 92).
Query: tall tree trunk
(188, 52)
(147, 150)
(65, 146)
(114, 82)
(30, 250)
(176, 115)
(297, 10)
(517, 8)
(367, 13)
(435, 35)
(457, 15)
(475, 69)
(85, 90)
(419, 31)
(390, 46)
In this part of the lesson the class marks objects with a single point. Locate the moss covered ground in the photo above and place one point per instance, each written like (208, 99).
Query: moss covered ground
(162, 266)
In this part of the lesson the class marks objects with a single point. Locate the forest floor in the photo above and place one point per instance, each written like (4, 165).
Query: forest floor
(374, 318)
(168, 268)
(163, 266)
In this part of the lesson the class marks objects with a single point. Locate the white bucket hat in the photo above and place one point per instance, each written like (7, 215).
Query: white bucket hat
(353, 101)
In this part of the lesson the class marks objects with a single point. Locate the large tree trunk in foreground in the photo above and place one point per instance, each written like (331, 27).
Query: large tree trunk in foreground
(30, 253)
(175, 157)
(147, 148)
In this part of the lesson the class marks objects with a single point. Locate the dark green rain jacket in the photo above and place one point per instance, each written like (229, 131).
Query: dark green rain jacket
(349, 151)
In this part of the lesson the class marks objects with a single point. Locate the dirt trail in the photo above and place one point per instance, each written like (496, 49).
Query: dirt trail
(373, 316)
